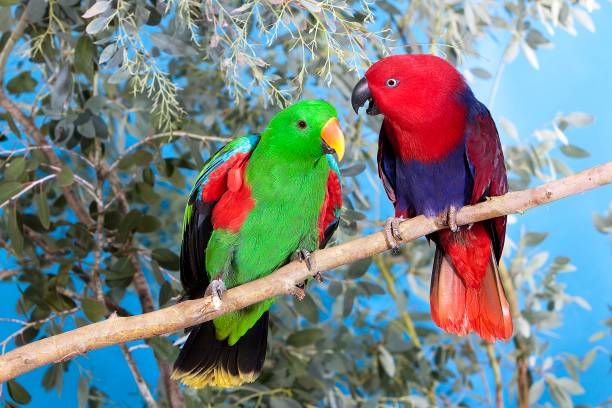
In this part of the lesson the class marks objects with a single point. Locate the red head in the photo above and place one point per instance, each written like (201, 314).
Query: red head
(420, 96)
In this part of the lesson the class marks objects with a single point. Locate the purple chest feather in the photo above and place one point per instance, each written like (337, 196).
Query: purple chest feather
(430, 188)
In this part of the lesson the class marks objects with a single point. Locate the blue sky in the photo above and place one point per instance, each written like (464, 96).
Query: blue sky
(573, 76)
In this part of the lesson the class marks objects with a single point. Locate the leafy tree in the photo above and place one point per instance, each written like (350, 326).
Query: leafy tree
(109, 108)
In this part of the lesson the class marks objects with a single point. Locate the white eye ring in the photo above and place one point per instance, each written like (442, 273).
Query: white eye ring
(392, 83)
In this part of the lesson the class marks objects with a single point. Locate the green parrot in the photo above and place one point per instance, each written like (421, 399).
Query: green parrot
(257, 203)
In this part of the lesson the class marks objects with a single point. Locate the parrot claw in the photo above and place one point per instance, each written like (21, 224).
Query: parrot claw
(451, 219)
(393, 234)
(216, 288)
(303, 255)
(298, 292)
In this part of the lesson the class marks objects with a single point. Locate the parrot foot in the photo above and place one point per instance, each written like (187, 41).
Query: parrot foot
(304, 255)
(216, 288)
(393, 234)
(298, 292)
(451, 218)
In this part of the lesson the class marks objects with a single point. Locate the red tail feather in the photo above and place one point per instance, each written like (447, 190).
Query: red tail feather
(461, 304)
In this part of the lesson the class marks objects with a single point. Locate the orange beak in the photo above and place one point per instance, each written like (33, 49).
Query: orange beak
(333, 138)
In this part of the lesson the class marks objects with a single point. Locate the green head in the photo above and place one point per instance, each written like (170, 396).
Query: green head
(305, 130)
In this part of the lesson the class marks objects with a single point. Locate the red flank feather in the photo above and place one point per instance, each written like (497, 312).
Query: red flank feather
(218, 180)
(333, 200)
(234, 206)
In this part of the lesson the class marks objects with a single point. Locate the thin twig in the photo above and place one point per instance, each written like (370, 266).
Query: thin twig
(408, 323)
(27, 325)
(499, 386)
(9, 273)
(28, 188)
(522, 349)
(10, 43)
(140, 382)
(170, 135)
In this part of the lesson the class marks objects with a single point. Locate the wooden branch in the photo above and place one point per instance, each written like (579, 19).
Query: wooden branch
(140, 382)
(118, 330)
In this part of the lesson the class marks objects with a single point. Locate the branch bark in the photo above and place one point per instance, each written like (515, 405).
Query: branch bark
(118, 330)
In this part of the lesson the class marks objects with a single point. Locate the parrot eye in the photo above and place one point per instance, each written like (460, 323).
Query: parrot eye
(302, 124)
(392, 83)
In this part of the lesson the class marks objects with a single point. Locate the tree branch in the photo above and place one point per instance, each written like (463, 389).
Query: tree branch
(118, 330)
(140, 382)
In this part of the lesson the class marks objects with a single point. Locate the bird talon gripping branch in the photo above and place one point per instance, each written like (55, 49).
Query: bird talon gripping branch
(393, 234)
(216, 289)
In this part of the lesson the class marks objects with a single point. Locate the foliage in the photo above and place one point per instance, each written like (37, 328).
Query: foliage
(123, 101)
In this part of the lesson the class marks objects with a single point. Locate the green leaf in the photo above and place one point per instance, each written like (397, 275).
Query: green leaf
(94, 310)
(307, 308)
(570, 386)
(8, 189)
(284, 402)
(371, 288)
(43, 209)
(481, 73)
(534, 238)
(597, 336)
(53, 377)
(602, 224)
(349, 299)
(579, 119)
(148, 224)
(97, 24)
(123, 268)
(387, 361)
(589, 358)
(8, 2)
(107, 53)
(14, 231)
(84, 54)
(304, 337)
(65, 177)
(19, 394)
(536, 390)
(163, 348)
(358, 269)
(166, 258)
(15, 168)
(82, 392)
(165, 293)
(574, 151)
(138, 158)
(335, 289)
(22, 83)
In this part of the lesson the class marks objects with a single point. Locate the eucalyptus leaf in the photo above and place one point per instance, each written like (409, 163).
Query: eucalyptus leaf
(19, 394)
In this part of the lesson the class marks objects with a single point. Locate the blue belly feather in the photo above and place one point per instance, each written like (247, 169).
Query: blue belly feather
(430, 188)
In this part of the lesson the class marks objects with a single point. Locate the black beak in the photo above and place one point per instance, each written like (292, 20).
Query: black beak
(361, 95)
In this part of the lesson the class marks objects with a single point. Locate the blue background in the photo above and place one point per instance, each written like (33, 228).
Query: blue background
(574, 76)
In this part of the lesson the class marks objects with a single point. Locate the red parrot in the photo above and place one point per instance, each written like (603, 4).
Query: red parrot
(438, 151)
